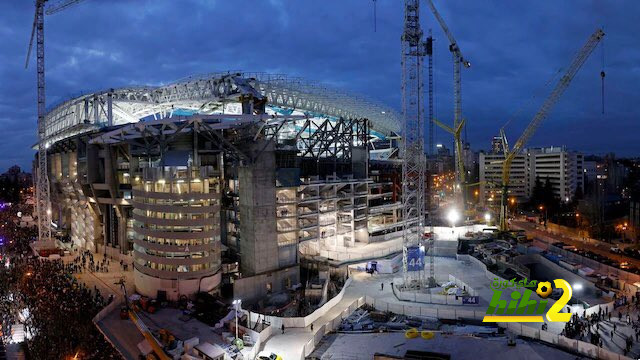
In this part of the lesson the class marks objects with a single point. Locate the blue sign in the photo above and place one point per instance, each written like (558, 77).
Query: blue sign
(415, 258)
(470, 300)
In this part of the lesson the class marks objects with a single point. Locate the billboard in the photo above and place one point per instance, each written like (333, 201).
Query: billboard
(415, 258)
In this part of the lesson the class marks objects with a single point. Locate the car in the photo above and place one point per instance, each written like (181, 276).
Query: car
(624, 265)
(615, 250)
(266, 355)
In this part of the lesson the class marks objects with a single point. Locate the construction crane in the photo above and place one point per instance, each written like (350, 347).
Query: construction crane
(431, 115)
(43, 201)
(547, 105)
(413, 165)
(458, 62)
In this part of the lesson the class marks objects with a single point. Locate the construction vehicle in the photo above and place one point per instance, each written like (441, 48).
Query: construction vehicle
(547, 105)
(43, 200)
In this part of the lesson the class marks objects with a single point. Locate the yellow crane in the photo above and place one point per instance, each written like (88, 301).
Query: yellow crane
(552, 99)
(456, 131)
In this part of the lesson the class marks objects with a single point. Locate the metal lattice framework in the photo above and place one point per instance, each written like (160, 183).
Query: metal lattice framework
(43, 202)
(413, 166)
(211, 94)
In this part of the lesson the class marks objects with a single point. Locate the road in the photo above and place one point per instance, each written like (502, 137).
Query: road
(595, 246)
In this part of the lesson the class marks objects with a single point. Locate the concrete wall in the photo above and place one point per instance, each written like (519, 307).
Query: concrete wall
(252, 288)
(148, 285)
(301, 322)
(546, 269)
(258, 242)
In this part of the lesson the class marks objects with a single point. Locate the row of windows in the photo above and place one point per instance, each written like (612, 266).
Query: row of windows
(181, 186)
(178, 229)
(215, 217)
(177, 203)
(177, 242)
(178, 268)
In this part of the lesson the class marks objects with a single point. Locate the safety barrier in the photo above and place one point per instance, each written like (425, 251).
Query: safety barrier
(463, 285)
(331, 325)
(560, 341)
(300, 322)
(429, 298)
(258, 339)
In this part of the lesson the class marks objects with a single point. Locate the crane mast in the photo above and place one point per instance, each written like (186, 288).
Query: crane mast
(562, 85)
(458, 62)
(43, 199)
(429, 50)
(413, 166)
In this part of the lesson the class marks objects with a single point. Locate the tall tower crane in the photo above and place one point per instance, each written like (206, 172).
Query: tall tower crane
(458, 62)
(43, 201)
(549, 103)
(430, 113)
(413, 166)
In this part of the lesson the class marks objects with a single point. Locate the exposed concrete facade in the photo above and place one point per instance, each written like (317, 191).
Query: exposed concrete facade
(258, 242)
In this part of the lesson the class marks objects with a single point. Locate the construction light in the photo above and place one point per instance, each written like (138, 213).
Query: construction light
(453, 216)
(576, 287)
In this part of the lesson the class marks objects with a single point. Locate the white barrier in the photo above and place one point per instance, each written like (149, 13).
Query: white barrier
(117, 301)
(429, 298)
(258, 339)
(562, 342)
(300, 322)
(463, 285)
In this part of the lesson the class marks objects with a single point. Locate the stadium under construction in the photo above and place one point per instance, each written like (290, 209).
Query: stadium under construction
(228, 178)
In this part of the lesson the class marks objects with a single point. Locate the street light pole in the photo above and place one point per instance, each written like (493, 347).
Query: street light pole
(542, 207)
(237, 305)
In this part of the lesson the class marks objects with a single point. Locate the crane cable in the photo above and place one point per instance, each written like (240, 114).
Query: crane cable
(536, 94)
(602, 75)
(374, 17)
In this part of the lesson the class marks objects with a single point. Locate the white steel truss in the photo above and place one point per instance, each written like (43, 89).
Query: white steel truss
(210, 94)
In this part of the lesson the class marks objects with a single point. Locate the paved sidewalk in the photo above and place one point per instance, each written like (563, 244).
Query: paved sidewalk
(104, 281)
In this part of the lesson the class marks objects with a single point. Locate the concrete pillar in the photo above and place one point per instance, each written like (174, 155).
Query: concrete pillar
(258, 231)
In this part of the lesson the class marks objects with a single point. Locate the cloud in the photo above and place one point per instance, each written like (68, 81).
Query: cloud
(514, 46)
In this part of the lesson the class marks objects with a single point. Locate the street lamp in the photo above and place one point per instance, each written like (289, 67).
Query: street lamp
(541, 207)
(237, 306)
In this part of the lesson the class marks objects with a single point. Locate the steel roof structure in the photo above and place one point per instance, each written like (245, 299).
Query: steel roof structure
(216, 93)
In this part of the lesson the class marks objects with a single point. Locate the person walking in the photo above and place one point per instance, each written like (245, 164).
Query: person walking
(611, 335)
(312, 328)
(283, 328)
(381, 286)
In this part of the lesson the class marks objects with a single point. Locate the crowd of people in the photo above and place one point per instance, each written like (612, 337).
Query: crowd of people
(85, 261)
(44, 296)
(56, 310)
(620, 326)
